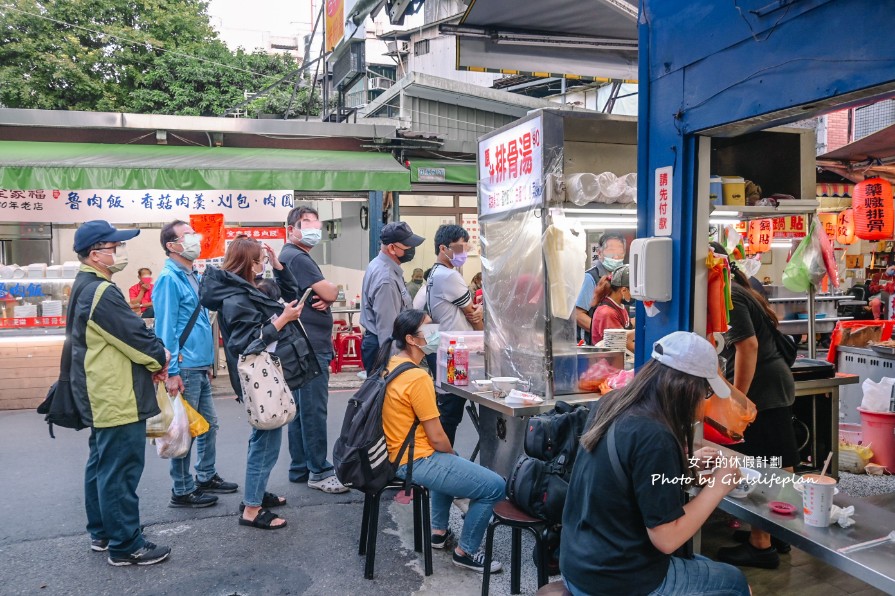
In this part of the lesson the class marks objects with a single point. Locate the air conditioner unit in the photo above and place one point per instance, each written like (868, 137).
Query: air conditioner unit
(380, 83)
(349, 66)
(397, 48)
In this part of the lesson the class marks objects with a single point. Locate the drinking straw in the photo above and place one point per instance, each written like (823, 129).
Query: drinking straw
(826, 463)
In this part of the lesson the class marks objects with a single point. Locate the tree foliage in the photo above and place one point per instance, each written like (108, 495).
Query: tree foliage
(143, 56)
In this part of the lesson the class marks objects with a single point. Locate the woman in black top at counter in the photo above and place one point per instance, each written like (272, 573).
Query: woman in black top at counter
(623, 530)
(756, 367)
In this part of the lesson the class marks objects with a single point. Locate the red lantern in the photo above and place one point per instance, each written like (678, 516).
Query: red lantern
(845, 227)
(759, 236)
(874, 211)
(828, 221)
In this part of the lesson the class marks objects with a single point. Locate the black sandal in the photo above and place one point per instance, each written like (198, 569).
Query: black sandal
(263, 521)
(268, 501)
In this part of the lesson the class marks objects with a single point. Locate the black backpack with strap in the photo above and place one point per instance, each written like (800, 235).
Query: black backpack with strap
(360, 455)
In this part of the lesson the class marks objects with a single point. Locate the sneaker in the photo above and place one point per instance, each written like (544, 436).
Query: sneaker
(150, 554)
(476, 562)
(330, 485)
(216, 485)
(99, 545)
(746, 555)
(781, 546)
(195, 499)
(441, 541)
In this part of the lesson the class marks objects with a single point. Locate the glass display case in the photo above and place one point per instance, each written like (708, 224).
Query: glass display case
(33, 306)
(534, 249)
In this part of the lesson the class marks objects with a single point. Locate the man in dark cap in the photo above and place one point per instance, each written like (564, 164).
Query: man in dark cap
(383, 294)
(115, 361)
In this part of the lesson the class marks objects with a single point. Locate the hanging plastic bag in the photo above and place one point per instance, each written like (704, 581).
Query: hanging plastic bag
(563, 247)
(177, 441)
(796, 276)
(158, 425)
(198, 423)
(731, 415)
(877, 395)
(825, 248)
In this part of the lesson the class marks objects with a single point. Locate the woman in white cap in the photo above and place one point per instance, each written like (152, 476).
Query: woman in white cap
(628, 527)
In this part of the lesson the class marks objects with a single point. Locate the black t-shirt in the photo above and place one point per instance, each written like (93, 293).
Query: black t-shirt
(773, 385)
(318, 324)
(605, 547)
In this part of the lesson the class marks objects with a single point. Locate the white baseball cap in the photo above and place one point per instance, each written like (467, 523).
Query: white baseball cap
(691, 354)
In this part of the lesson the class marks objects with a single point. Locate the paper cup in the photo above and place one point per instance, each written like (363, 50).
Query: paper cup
(817, 499)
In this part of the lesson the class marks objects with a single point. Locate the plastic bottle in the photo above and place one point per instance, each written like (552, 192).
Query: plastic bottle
(357, 301)
(451, 364)
(461, 363)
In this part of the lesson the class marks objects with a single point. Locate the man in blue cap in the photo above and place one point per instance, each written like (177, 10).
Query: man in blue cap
(115, 361)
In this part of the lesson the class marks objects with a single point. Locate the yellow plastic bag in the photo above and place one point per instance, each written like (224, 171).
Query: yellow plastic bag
(158, 425)
(198, 423)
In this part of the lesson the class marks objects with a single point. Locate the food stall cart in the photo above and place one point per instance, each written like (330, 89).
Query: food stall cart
(534, 255)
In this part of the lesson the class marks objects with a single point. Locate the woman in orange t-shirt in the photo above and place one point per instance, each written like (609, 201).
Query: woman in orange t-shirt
(410, 397)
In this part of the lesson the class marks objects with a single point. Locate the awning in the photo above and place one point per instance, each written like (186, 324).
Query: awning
(35, 165)
(872, 155)
(452, 172)
(595, 40)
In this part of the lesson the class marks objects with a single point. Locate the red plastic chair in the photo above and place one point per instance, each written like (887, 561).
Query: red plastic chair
(348, 351)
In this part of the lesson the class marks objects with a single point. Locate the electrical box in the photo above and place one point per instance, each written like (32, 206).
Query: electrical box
(650, 269)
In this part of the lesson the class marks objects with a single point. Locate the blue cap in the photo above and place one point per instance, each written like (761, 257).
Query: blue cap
(99, 230)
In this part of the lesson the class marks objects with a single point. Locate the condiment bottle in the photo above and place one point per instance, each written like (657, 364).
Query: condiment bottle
(451, 364)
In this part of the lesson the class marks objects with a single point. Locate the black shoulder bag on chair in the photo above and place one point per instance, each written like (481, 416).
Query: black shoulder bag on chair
(60, 407)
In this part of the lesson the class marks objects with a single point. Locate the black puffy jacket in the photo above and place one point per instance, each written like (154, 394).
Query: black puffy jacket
(246, 315)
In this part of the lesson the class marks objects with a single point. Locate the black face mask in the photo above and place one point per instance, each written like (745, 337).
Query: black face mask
(408, 255)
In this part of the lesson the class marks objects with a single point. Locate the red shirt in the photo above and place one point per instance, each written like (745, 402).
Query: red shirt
(147, 297)
(608, 315)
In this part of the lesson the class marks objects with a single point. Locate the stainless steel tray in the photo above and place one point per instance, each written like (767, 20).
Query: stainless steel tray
(887, 350)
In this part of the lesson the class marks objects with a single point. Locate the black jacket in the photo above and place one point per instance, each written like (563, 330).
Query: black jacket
(246, 315)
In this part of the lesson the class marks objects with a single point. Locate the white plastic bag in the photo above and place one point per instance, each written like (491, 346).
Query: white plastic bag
(177, 441)
(158, 425)
(877, 395)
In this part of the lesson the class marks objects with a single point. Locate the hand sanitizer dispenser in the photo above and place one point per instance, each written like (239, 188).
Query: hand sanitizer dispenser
(651, 267)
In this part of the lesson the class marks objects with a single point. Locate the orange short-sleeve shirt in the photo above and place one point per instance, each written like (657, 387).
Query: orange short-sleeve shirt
(411, 395)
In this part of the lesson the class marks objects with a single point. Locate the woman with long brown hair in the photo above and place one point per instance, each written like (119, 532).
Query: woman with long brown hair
(247, 314)
(750, 344)
(630, 514)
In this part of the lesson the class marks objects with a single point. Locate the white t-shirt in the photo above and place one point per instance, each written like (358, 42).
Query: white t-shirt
(447, 294)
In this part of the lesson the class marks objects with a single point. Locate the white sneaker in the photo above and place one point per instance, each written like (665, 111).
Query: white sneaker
(329, 485)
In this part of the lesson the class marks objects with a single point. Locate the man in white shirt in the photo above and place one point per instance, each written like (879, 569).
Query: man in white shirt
(450, 304)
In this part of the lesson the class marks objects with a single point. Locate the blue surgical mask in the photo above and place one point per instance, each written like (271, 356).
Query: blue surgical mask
(612, 264)
(433, 338)
(310, 236)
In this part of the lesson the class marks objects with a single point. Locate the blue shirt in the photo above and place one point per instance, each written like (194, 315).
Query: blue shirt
(175, 297)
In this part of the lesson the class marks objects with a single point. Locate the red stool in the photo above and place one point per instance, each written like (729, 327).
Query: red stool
(348, 351)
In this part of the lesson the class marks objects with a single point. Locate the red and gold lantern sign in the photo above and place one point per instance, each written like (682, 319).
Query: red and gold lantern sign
(760, 233)
(828, 221)
(874, 211)
(845, 227)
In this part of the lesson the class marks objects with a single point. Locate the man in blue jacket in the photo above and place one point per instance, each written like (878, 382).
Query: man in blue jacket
(183, 325)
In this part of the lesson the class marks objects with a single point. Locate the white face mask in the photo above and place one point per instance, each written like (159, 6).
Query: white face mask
(192, 246)
(310, 236)
(119, 259)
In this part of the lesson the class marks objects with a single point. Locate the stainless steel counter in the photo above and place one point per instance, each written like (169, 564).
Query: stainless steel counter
(824, 394)
(876, 565)
(502, 426)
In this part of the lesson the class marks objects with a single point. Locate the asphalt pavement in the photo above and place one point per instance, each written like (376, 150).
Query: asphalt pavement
(44, 548)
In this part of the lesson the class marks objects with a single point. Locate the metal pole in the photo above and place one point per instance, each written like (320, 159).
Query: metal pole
(812, 344)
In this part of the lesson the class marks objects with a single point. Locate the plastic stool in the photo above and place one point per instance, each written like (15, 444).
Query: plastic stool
(507, 514)
(422, 526)
(348, 351)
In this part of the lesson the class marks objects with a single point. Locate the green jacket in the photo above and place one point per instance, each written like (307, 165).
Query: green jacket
(113, 355)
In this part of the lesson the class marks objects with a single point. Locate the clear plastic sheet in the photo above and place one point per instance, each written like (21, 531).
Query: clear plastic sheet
(564, 245)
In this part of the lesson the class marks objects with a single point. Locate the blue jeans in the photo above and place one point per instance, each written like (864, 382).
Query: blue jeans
(113, 471)
(307, 432)
(264, 449)
(448, 476)
(197, 391)
(369, 348)
(699, 575)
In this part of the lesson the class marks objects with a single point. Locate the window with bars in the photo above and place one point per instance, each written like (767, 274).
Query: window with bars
(421, 47)
(870, 119)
